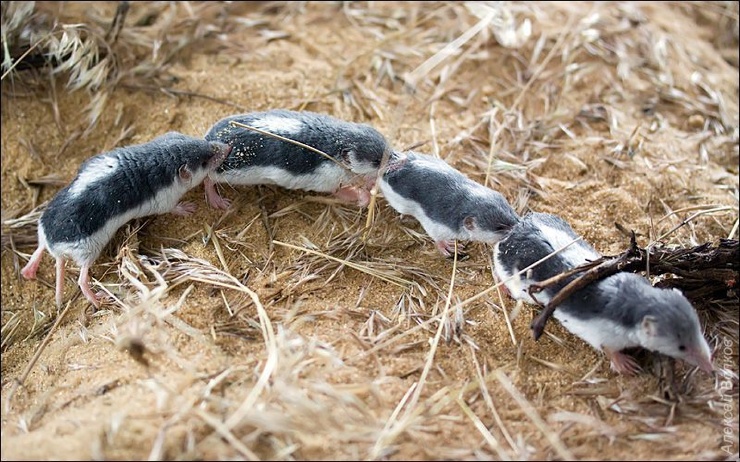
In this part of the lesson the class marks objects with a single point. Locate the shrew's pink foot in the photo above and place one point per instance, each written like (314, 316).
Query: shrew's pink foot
(363, 198)
(104, 297)
(353, 194)
(622, 363)
(213, 197)
(447, 248)
(370, 182)
(505, 290)
(184, 209)
(29, 271)
(84, 283)
(444, 247)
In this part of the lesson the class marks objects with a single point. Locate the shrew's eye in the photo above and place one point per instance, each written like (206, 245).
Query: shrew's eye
(681, 348)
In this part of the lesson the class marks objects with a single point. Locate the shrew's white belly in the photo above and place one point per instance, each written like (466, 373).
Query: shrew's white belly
(326, 178)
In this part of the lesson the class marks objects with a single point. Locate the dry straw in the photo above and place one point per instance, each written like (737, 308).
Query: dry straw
(240, 345)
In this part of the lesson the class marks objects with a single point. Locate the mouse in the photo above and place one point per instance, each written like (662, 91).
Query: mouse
(355, 153)
(448, 205)
(619, 312)
(114, 187)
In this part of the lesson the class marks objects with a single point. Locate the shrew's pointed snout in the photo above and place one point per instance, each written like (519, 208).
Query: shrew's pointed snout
(700, 359)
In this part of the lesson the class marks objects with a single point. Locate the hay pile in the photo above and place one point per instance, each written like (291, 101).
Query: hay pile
(286, 328)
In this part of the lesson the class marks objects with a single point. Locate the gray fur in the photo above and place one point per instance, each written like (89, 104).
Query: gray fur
(612, 313)
(335, 137)
(448, 204)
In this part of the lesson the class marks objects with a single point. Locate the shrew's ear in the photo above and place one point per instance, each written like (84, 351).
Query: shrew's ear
(185, 173)
(345, 153)
(649, 325)
(470, 223)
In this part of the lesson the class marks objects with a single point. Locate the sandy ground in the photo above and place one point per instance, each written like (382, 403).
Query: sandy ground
(328, 365)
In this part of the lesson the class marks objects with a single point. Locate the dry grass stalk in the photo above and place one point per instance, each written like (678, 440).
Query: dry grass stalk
(533, 108)
(394, 427)
(199, 270)
(185, 268)
(32, 362)
(490, 439)
(21, 230)
(490, 404)
(103, 53)
(533, 415)
(387, 275)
